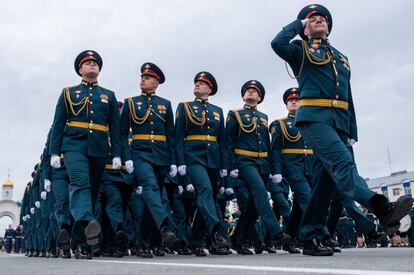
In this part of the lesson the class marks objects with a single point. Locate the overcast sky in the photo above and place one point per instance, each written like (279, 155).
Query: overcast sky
(231, 39)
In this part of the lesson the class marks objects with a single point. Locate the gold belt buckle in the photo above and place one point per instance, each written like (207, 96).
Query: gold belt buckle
(151, 136)
(90, 125)
(335, 103)
(208, 137)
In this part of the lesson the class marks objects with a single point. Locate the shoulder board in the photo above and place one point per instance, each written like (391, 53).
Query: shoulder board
(236, 110)
(281, 118)
(70, 87)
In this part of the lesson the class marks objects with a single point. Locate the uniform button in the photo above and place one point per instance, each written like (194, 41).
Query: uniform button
(208, 144)
(152, 132)
(90, 94)
(90, 88)
(149, 98)
(337, 84)
(208, 127)
(334, 61)
(150, 105)
(150, 114)
(151, 122)
(258, 134)
(152, 140)
(91, 112)
(260, 142)
(91, 121)
(208, 118)
(337, 96)
(91, 102)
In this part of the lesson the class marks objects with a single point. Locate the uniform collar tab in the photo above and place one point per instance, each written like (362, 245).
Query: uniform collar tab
(203, 101)
(89, 84)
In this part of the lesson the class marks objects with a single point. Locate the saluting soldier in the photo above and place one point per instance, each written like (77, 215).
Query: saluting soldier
(201, 153)
(86, 116)
(152, 149)
(327, 122)
(248, 146)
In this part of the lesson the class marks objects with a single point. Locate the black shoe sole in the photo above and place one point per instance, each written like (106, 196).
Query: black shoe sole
(64, 238)
(121, 240)
(313, 253)
(92, 231)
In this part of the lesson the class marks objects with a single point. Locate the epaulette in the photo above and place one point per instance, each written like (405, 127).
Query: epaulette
(281, 118)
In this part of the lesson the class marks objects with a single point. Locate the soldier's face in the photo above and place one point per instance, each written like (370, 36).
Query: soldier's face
(251, 96)
(201, 89)
(89, 69)
(148, 83)
(317, 27)
(292, 105)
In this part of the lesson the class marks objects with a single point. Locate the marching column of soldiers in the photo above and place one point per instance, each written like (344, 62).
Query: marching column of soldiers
(117, 178)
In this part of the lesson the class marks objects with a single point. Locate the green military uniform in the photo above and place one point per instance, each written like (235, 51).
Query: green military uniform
(200, 148)
(86, 116)
(152, 149)
(326, 120)
(248, 145)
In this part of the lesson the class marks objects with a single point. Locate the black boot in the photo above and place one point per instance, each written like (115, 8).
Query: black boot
(377, 237)
(169, 239)
(121, 240)
(217, 240)
(92, 231)
(199, 252)
(157, 251)
(258, 248)
(144, 253)
(64, 238)
(315, 248)
(291, 249)
(281, 238)
(65, 254)
(390, 214)
(243, 250)
(333, 245)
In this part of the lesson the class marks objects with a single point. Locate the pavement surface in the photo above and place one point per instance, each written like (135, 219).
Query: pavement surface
(358, 261)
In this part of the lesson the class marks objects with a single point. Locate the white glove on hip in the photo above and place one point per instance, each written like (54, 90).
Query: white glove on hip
(182, 170)
(24, 218)
(221, 190)
(37, 204)
(27, 216)
(55, 161)
(277, 178)
(229, 191)
(139, 190)
(269, 196)
(351, 142)
(47, 185)
(173, 170)
(116, 163)
(190, 188)
(43, 195)
(180, 189)
(32, 210)
(234, 173)
(129, 165)
(223, 173)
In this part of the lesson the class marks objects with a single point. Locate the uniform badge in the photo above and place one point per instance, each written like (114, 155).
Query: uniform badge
(195, 107)
(263, 121)
(216, 116)
(161, 109)
(105, 99)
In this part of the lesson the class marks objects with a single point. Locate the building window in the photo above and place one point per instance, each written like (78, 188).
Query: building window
(407, 188)
(396, 191)
(384, 191)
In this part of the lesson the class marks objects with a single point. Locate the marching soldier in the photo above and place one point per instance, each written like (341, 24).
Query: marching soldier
(152, 150)
(291, 160)
(248, 147)
(327, 122)
(86, 116)
(200, 153)
(9, 235)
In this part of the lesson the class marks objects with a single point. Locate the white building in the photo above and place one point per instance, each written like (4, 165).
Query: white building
(393, 186)
(9, 207)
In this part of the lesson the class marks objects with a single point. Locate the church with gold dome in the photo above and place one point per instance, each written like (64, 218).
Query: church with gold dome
(9, 207)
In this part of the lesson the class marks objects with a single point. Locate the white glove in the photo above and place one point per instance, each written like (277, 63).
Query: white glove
(55, 161)
(180, 189)
(32, 210)
(139, 190)
(234, 173)
(221, 190)
(37, 204)
(116, 163)
(47, 185)
(28, 216)
(304, 22)
(43, 195)
(223, 173)
(190, 187)
(277, 178)
(229, 191)
(173, 170)
(129, 165)
(24, 218)
(350, 142)
(269, 196)
(182, 170)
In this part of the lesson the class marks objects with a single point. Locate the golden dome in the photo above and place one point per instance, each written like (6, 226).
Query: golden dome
(7, 183)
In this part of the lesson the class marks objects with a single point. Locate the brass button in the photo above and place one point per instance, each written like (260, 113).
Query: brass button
(337, 96)
(91, 102)
(337, 84)
(335, 103)
(91, 112)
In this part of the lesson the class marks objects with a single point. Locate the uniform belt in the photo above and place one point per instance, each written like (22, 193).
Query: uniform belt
(250, 153)
(298, 151)
(109, 167)
(88, 125)
(201, 137)
(324, 103)
(149, 137)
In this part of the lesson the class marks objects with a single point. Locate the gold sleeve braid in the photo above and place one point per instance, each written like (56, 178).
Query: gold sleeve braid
(286, 134)
(192, 117)
(244, 127)
(84, 102)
